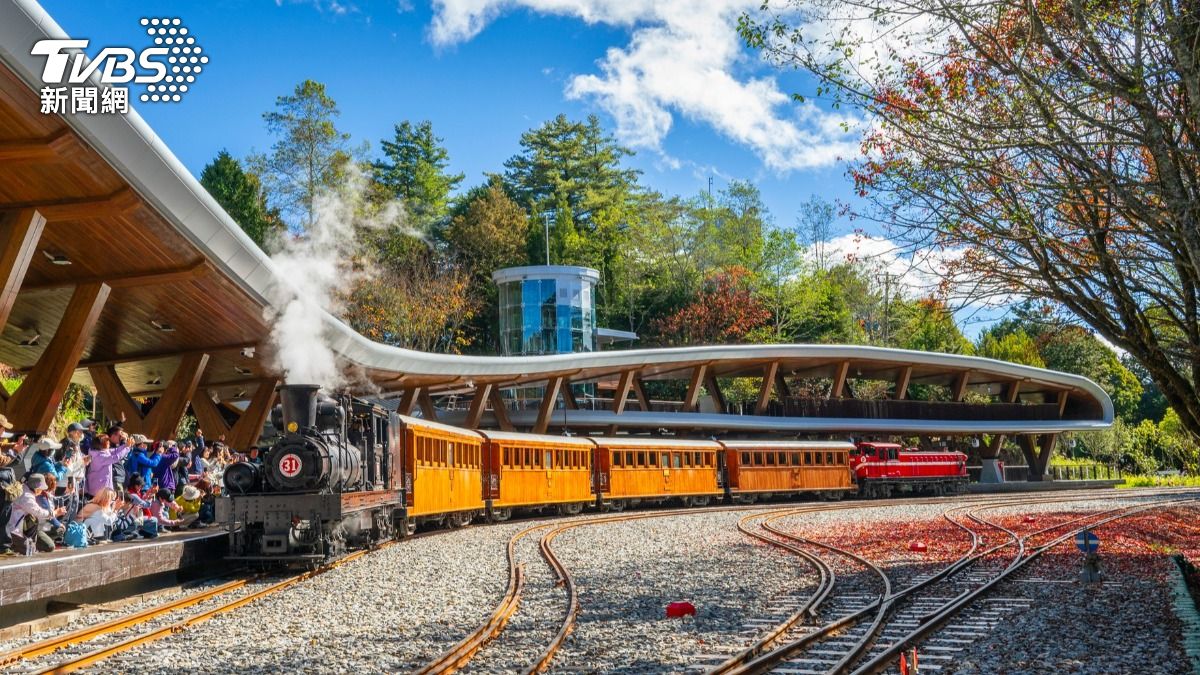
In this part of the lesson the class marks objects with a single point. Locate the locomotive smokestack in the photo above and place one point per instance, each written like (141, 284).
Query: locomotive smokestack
(299, 403)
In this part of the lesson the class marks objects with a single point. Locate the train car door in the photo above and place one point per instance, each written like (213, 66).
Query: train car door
(548, 455)
(601, 470)
(666, 470)
(729, 468)
(492, 454)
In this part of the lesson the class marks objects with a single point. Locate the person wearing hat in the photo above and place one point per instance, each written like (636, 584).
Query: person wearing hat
(143, 460)
(24, 526)
(43, 460)
(189, 501)
(101, 461)
(89, 435)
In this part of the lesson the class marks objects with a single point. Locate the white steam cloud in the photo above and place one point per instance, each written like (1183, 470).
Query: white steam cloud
(314, 270)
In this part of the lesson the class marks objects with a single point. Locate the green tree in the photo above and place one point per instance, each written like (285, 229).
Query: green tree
(414, 169)
(733, 227)
(570, 178)
(241, 194)
(1074, 349)
(309, 154)
(1014, 346)
(929, 327)
(486, 233)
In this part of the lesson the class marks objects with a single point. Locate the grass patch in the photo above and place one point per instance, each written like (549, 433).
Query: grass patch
(1160, 481)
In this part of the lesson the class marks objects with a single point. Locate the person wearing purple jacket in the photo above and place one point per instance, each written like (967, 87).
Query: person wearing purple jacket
(101, 460)
(164, 472)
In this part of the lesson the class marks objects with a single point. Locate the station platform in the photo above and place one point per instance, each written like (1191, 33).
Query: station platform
(1040, 486)
(30, 585)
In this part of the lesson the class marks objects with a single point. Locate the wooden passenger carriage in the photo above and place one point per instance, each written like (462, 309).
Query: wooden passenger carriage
(634, 469)
(531, 470)
(763, 468)
(442, 469)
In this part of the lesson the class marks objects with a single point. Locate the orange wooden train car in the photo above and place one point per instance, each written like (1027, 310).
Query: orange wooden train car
(761, 469)
(523, 471)
(633, 470)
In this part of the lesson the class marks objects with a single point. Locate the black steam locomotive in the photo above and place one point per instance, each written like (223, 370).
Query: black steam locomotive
(324, 487)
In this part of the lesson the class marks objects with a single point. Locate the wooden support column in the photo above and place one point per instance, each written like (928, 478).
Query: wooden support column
(1062, 403)
(693, 391)
(408, 401)
(838, 388)
(991, 449)
(568, 396)
(249, 425)
(639, 390)
(1012, 392)
(1037, 450)
(770, 373)
(499, 411)
(426, 403)
(20, 232)
(714, 390)
(621, 395)
(32, 406)
(160, 423)
(960, 385)
(901, 391)
(244, 432)
(782, 390)
(478, 403)
(546, 409)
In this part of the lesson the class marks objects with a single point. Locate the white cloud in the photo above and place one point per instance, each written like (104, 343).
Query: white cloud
(684, 58)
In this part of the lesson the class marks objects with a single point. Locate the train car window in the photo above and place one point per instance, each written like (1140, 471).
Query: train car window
(507, 454)
(666, 460)
(892, 454)
(829, 458)
(677, 461)
(745, 458)
(808, 459)
(549, 457)
(795, 459)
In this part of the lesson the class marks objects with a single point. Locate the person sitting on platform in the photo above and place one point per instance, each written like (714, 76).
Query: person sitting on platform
(24, 526)
(138, 495)
(98, 515)
(47, 500)
(167, 513)
(190, 503)
(101, 460)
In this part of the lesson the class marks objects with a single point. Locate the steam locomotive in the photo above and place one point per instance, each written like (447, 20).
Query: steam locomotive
(324, 487)
(347, 473)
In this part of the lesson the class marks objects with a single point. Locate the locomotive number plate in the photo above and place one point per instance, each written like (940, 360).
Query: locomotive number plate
(290, 465)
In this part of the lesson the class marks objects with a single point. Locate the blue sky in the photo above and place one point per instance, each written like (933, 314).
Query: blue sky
(383, 63)
(668, 77)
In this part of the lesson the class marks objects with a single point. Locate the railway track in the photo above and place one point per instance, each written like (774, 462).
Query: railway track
(865, 633)
(75, 649)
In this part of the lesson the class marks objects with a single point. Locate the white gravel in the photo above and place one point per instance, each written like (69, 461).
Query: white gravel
(628, 572)
(392, 610)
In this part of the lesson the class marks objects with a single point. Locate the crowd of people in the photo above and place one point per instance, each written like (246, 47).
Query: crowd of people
(92, 488)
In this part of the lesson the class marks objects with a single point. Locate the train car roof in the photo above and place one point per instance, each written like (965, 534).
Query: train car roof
(652, 442)
(789, 445)
(575, 441)
(450, 429)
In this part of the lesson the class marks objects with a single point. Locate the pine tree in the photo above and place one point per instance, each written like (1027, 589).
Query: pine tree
(414, 169)
(241, 194)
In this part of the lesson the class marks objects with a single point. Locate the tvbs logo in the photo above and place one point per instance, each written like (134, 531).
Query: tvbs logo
(167, 70)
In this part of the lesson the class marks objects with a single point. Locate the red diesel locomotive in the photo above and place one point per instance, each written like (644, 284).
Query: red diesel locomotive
(884, 469)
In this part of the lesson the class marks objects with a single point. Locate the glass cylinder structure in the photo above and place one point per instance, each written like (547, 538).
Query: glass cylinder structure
(547, 309)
